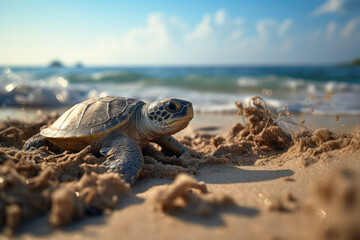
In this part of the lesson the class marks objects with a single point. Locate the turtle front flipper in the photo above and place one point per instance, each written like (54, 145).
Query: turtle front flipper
(124, 156)
(170, 144)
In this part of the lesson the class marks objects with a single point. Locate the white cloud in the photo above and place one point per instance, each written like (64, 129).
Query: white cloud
(238, 21)
(329, 7)
(337, 6)
(334, 34)
(269, 26)
(263, 27)
(236, 34)
(154, 34)
(202, 30)
(350, 27)
(238, 31)
(151, 42)
(331, 29)
(216, 37)
(285, 26)
(272, 33)
(220, 17)
(178, 22)
(169, 40)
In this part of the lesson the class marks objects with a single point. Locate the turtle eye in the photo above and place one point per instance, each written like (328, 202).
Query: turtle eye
(171, 106)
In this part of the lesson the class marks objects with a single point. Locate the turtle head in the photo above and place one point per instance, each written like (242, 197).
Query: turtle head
(170, 115)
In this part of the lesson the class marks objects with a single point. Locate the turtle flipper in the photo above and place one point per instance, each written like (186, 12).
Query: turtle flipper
(36, 141)
(124, 157)
(171, 144)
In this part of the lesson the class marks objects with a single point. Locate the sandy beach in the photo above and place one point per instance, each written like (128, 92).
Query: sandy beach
(243, 179)
(180, 120)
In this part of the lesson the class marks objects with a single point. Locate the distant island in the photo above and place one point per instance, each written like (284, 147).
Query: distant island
(56, 63)
(355, 62)
(59, 64)
(79, 65)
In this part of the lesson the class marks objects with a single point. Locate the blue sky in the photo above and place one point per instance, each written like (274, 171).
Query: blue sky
(149, 32)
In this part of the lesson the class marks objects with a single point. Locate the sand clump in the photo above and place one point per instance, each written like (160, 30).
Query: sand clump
(258, 136)
(31, 186)
(310, 147)
(158, 164)
(69, 185)
(262, 135)
(14, 132)
(90, 195)
(187, 195)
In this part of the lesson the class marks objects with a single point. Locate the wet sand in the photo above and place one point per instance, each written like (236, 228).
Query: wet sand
(306, 186)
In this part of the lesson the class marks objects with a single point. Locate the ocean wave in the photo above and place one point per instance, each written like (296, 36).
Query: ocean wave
(105, 77)
(272, 82)
(205, 102)
(248, 82)
(40, 96)
(294, 84)
(209, 90)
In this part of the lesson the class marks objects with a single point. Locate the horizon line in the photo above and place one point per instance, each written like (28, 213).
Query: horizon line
(183, 65)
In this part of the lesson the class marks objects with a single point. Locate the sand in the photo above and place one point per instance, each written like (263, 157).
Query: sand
(262, 177)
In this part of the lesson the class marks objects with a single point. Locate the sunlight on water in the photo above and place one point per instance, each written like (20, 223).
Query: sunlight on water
(10, 87)
(62, 82)
(63, 96)
(7, 70)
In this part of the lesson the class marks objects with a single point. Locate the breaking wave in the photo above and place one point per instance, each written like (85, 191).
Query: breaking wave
(321, 90)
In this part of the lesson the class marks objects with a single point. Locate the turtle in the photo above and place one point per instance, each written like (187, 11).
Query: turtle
(118, 128)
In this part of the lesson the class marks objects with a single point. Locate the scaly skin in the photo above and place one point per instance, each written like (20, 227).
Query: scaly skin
(124, 156)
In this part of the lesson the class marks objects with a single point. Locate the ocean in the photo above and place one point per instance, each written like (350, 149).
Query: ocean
(318, 90)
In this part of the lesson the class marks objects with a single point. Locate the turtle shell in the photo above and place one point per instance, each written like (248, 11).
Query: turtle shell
(90, 120)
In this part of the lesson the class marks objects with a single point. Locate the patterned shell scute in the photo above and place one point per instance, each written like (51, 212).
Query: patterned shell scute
(93, 116)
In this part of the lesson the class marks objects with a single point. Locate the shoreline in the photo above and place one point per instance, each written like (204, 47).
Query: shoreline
(210, 121)
(220, 123)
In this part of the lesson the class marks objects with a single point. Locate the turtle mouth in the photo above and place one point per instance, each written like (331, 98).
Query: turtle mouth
(179, 122)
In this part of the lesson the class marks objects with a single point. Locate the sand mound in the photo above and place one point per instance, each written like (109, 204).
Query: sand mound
(13, 133)
(263, 135)
(180, 195)
(90, 195)
(32, 182)
(259, 136)
(310, 147)
(35, 182)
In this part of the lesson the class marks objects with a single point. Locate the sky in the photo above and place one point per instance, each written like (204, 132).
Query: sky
(160, 32)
